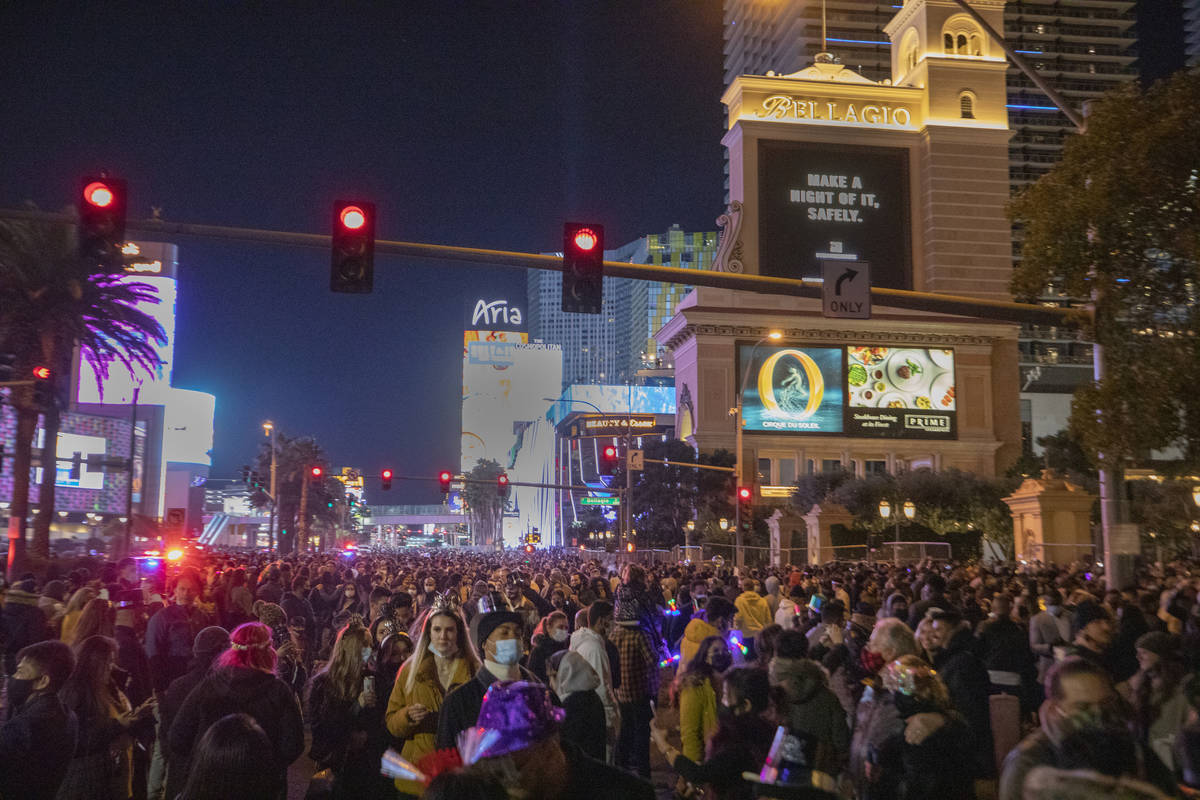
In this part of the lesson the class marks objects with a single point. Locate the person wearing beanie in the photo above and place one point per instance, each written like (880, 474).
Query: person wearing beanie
(1156, 693)
(497, 635)
(209, 643)
(806, 704)
(52, 603)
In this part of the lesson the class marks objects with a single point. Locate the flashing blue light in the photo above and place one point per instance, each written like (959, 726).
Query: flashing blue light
(859, 41)
(1033, 108)
(1122, 280)
(151, 563)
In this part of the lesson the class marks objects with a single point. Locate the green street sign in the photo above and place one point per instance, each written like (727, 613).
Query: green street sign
(600, 501)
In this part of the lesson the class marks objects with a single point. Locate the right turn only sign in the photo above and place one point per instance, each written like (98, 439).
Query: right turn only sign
(847, 290)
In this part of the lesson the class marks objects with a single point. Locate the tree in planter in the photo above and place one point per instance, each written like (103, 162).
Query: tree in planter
(50, 302)
(485, 508)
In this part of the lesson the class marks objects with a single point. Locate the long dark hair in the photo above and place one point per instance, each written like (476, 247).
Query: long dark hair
(91, 680)
(229, 762)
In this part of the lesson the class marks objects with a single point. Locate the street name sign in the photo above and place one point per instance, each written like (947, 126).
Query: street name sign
(599, 501)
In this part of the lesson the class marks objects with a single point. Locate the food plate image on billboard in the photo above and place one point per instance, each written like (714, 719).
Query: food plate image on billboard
(900, 392)
(792, 389)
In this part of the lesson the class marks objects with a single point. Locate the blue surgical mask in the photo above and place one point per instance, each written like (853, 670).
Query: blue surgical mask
(366, 654)
(508, 652)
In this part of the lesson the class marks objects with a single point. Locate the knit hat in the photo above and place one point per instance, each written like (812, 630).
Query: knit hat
(210, 641)
(272, 615)
(628, 610)
(1088, 612)
(483, 623)
(1160, 643)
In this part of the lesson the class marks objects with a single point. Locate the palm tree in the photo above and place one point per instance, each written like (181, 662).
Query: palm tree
(295, 458)
(52, 301)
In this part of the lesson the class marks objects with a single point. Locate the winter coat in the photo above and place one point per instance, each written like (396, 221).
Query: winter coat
(739, 745)
(814, 710)
(460, 707)
(753, 612)
(939, 767)
(168, 708)
(543, 648)
(233, 690)
(967, 680)
(23, 623)
(876, 720)
(697, 714)
(36, 745)
(350, 739)
(575, 683)
(427, 690)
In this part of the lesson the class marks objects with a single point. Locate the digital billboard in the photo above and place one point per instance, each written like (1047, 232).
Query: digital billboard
(792, 389)
(868, 391)
(834, 202)
(901, 392)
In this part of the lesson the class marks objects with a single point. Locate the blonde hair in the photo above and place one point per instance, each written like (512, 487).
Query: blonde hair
(421, 649)
(344, 669)
(79, 599)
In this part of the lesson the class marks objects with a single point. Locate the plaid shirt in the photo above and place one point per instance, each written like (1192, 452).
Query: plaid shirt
(639, 667)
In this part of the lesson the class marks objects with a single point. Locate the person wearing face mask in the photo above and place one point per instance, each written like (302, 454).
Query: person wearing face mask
(739, 744)
(346, 717)
(574, 682)
(348, 602)
(549, 637)
(37, 741)
(1084, 725)
(696, 690)
(715, 621)
(496, 634)
(806, 704)
(592, 643)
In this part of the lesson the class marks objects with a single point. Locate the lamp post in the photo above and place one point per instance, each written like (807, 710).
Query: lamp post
(909, 509)
(739, 552)
(687, 537)
(269, 431)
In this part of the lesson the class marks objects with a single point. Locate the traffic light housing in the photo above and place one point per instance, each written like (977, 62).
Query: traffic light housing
(102, 204)
(385, 480)
(316, 472)
(583, 268)
(43, 387)
(502, 485)
(745, 501)
(444, 482)
(246, 474)
(608, 459)
(352, 269)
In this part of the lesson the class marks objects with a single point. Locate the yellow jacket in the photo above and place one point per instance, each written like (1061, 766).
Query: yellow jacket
(753, 615)
(427, 690)
(697, 717)
(694, 634)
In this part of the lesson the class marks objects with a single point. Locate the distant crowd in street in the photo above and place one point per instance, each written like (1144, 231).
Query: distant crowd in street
(552, 675)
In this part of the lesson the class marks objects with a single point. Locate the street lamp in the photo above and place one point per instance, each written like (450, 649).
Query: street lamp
(739, 553)
(687, 539)
(269, 431)
(724, 523)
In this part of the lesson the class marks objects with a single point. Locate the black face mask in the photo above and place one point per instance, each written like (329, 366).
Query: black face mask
(19, 690)
(721, 661)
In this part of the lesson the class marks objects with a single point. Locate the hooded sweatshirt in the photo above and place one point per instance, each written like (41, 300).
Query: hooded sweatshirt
(754, 613)
(813, 709)
(696, 632)
(786, 613)
(772, 596)
(590, 647)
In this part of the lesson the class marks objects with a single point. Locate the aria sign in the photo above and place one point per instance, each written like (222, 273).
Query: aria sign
(495, 315)
(782, 106)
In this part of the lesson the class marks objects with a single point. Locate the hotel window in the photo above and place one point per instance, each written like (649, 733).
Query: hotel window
(831, 465)
(874, 467)
(966, 105)
(764, 472)
(787, 471)
(948, 42)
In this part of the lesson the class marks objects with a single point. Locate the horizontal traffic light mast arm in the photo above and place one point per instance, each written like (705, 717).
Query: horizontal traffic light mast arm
(763, 284)
(686, 464)
(492, 483)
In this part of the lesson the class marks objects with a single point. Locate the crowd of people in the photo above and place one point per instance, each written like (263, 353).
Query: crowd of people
(451, 674)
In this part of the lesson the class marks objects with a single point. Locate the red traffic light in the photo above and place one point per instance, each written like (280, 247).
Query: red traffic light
(445, 476)
(610, 452)
(502, 480)
(444, 481)
(99, 194)
(352, 218)
(317, 472)
(387, 474)
(744, 493)
(41, 373)
(585, 239)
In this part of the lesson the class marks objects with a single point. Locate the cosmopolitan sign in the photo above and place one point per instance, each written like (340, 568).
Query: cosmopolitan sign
(782, 106)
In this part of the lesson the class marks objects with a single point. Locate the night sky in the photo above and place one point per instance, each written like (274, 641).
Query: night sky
(473, 124)
(470, 123)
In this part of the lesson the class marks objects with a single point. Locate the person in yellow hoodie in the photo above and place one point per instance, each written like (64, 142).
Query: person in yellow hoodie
(442, 660)
(753, 614)
(715, 621)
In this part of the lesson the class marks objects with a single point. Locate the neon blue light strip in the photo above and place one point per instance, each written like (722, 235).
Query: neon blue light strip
(859, 41)
(1034, 108)
(1030, 52)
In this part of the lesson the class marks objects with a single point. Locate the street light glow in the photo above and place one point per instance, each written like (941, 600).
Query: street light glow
(775, 335)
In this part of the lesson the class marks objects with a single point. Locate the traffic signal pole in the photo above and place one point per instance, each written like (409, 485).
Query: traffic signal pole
(762, 284)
